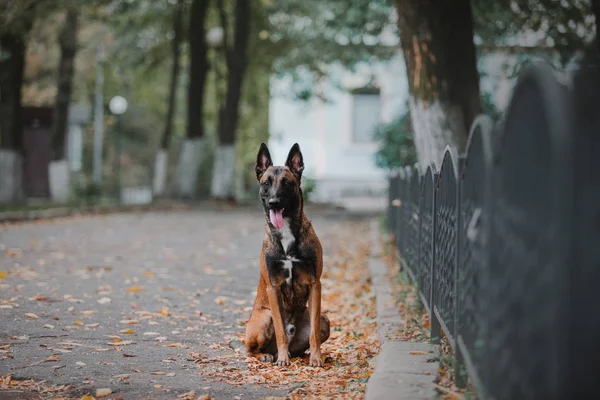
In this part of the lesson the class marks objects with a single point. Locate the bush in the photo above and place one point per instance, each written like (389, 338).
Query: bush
(396, 145)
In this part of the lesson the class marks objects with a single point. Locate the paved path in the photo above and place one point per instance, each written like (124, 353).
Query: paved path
(183, 282)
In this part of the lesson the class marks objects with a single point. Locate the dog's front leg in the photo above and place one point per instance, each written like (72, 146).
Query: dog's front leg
(314, 308)
(283, 355)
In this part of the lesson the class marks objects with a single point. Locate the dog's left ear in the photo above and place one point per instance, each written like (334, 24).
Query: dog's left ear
(295, 162)
(263, 160)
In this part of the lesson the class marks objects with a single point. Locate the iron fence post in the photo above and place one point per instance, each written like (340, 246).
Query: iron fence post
(460, 378)
(435, 327)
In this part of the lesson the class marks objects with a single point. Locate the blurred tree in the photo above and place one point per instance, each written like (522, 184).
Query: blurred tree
(236, 59)
(161, 161)
(437, 42)
(194, 146)
(66, 71)
(306, 37)
(565, 26)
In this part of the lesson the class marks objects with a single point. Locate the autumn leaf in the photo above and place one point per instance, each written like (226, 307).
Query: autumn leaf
(78, 323)
(127, 331)
(135, 289)
(88, 397)
(31, 315)
(52, 358)
(3, 274)
(129, 321)
(103, 392)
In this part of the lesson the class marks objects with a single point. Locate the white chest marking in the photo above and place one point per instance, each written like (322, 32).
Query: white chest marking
(287, 238)
(288, 265)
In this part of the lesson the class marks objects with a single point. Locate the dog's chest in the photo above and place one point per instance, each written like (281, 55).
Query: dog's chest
(287, 240)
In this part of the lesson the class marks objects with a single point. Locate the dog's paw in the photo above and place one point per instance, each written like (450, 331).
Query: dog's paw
(315, 360)
(266, 357)
(283, 360)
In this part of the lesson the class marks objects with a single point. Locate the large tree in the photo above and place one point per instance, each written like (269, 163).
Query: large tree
(194, 146)
(161, 162)
(438, 48)
(236, 60)
(58, 169)
(16, 20)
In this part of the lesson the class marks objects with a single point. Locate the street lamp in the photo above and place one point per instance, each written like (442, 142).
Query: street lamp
(215, 36)
(118, 106)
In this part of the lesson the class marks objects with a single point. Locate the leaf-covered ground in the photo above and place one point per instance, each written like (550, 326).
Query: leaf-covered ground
(153, 306)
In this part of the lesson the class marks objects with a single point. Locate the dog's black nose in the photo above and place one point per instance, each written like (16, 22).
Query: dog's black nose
(274, 204)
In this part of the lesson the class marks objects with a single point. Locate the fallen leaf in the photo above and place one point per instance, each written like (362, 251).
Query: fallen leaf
(88, 397)
(204, 397)
(130, 321)
(3, 274)
(417, 353)
(48, 326)
(219, 301)
(151, 333)
(170, 374)
(78, 323)
(157, 373)
(121, 343)
(103, 392)
(81, 364)
(127, 331)
(135, 289)
(52, 358)
(31, 315)
(128, 355)
(149, 274)
(94, 325)
(104, 300)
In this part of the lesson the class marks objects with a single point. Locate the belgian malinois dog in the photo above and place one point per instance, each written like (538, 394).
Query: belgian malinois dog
(291, 261)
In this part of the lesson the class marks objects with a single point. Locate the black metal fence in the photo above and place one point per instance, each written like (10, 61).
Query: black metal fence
(503, 242)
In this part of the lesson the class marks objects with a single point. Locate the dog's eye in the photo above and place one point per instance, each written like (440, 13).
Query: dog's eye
(266, 182)
(284, 182)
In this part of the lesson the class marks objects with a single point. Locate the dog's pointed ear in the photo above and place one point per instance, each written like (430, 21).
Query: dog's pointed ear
(295, 162)
(263, 160)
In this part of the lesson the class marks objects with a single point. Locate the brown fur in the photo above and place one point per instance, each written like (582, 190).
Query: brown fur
(278, 303)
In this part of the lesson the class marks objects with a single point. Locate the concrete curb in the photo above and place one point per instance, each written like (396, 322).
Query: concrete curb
(402, 370)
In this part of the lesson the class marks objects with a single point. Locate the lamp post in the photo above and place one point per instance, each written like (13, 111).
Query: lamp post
(118, 106)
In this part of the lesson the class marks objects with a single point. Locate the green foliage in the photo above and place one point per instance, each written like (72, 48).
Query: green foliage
(565, 26)
(489, 108)
(309, 185)
(309, 36)
(396, 145)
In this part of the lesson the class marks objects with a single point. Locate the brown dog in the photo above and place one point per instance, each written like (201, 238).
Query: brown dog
(291, 262)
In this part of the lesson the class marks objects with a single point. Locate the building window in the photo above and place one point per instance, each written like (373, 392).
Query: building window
(366, 106)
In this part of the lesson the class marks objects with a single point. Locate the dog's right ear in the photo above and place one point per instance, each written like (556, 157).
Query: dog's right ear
(263, 160)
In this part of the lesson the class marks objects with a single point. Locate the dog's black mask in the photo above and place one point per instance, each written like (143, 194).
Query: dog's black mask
(280, 192)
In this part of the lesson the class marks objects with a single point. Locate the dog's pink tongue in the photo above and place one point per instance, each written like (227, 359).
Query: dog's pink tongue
(276, 217)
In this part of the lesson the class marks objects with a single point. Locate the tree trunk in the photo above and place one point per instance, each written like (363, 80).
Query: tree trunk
(237, 61)
(198, 69)
(193, 146)
(66, 70)
(161, 160)
(12, 64)
(175, 69)
(441, 64)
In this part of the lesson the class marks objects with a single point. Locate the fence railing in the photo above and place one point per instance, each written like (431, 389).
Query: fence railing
(503, 242)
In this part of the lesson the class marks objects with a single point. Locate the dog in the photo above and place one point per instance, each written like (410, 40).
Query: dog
(281, 324)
